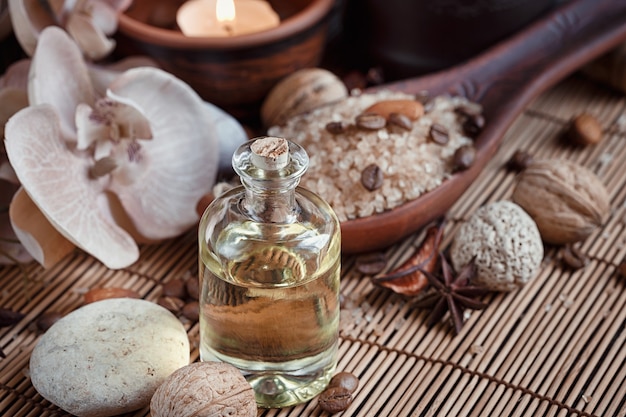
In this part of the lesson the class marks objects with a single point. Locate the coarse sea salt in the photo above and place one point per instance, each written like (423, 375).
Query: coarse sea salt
(411, 163)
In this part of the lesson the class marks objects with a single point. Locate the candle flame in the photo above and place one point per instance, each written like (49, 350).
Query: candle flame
(225, 10)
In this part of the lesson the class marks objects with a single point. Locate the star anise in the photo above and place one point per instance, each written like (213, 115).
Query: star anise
(453, 293)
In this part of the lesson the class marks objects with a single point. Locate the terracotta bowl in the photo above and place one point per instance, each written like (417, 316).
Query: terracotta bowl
(233, 73)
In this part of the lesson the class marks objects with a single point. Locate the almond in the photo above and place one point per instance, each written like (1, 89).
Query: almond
(410, 108)
(97, 294)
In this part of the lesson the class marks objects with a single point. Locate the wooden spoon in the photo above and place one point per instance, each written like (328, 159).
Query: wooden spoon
(504, 79)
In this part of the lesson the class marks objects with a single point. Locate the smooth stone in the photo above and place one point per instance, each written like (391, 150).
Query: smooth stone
(108, 357)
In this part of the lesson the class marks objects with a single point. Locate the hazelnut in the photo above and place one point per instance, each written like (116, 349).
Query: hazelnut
(203, 389)
(584, 129)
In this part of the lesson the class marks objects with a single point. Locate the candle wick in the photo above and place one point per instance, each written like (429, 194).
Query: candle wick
(229, 29)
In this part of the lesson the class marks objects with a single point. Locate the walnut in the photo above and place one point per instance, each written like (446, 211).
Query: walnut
(204, 389)
(566, 200)
(301, 92)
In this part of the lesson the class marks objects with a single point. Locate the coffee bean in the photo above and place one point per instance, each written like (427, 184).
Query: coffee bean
(439, 134)
(335, 399)
(467, 111)
(191, 310)
(173, 304)
(47, 319)
(371, 263)
(519, 161)
(193, 288)
(573, 257)
(175, 288)
(473, 125)
(370, 121)
(335, 128)
(464, 157)
(344, 380)
(372, 177)
(401, 120)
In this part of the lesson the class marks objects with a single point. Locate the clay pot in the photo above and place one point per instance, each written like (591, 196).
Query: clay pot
(233, 73)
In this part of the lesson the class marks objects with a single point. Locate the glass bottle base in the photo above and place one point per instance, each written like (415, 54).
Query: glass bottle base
(284, 384)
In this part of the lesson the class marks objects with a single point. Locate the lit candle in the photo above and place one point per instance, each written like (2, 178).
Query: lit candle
(221, 18)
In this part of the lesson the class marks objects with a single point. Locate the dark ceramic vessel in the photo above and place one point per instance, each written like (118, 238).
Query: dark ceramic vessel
(233, 73)
(411, 37)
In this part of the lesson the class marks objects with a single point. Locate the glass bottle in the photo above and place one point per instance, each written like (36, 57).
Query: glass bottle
(269, 276)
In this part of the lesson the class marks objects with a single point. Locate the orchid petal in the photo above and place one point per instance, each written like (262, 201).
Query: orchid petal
(11, 250)
(58, 183)
(90, 38)
(37, 235)
(179, 165)
(103, 16)
(103, 75)
(59, 77)
(16, 75)
(29, 18)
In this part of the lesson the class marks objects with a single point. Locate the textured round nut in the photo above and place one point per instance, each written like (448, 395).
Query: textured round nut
(204, 389)
(505, 244)
(566, 200)
(301, 92)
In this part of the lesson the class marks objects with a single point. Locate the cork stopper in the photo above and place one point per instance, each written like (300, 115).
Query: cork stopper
(270, 153)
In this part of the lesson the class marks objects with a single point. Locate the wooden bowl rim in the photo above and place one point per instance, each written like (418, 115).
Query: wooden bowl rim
(307, 18)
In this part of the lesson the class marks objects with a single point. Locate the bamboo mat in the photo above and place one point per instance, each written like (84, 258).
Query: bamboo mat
(556, 347)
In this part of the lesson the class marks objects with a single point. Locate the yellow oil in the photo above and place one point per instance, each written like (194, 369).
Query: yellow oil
(270, 307)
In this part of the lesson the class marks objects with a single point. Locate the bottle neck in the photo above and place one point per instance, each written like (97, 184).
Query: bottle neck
(271, 202)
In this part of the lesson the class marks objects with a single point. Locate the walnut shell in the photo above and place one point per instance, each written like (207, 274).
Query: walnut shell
(204, 389)
(566, 200)
(301, 92)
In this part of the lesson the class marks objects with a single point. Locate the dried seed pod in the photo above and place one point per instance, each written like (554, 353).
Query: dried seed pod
(408, 278)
